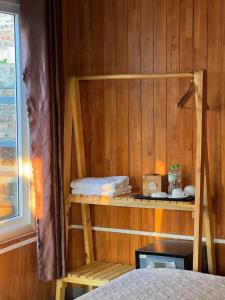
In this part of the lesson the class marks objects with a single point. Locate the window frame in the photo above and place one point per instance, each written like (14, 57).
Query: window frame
(25, 221)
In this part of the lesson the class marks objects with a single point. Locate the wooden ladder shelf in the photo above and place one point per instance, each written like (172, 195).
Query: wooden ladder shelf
(98, 273)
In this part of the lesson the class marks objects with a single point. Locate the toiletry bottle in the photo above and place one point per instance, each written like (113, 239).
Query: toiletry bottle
(171, 179)
(174, 178)
(177, 172)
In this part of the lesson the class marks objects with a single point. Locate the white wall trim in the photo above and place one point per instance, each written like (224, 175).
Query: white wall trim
(144, 233)
(18, 245)
(112, 230)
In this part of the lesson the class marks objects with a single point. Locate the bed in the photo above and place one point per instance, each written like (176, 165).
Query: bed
(146, 284)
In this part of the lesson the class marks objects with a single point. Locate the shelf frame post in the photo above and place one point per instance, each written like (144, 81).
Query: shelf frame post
(203, 203)
(207, 202)
(81, 167)
(203, 206)
(199, 172)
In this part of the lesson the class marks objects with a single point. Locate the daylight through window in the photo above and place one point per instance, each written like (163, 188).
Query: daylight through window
(9, 204)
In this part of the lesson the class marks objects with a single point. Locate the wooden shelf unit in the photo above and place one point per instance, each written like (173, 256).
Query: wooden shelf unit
(129, 201)
(98, 273)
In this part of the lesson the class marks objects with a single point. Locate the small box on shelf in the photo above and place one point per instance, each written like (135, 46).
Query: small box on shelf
(153, 183)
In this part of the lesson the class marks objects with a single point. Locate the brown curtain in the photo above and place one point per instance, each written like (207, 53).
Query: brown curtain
(42, 75)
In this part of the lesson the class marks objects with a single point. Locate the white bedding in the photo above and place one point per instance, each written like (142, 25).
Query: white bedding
(146, 284)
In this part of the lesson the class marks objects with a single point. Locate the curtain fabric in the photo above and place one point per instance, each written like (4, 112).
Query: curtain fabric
(43, 78)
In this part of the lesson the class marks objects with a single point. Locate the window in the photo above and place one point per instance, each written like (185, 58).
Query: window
(15, 174)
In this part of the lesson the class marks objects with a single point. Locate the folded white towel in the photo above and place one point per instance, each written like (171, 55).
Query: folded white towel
(100, 190)
(94, 192)
(102, 184)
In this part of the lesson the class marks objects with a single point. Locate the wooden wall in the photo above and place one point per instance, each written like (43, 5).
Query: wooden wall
(18, 276)
(132, 127)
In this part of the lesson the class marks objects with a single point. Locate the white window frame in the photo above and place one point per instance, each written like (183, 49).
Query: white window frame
(25, 221)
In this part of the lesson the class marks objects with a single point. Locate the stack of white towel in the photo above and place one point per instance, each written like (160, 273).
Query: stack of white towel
(101, 186)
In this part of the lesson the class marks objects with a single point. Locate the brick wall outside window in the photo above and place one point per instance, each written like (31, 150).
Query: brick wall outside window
(8, 118)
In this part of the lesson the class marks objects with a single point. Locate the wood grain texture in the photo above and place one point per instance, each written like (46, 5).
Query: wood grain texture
(122, 121)
(158, 75)
(97, 273)
(149, 36)
(128, 201)
(186, 115)
(200, 62)
(200, 49)
(18, 276)
(98, 127)
(134, 133)
(147, 105)
(214, 101)
(200, 161)
(222, 207)
(160, 101)
(172, 90)
(110, 111)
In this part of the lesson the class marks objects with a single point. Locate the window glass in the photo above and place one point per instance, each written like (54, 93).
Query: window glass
(9, 199)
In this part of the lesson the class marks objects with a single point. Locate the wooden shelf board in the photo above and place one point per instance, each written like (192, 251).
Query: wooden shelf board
(135, 76)
(129, 201)
(96, 273)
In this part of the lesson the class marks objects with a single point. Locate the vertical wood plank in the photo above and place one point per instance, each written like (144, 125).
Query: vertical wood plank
(98, 118)
(30, 286)
(81, 165)
(18, 276)
(134, 117)
(73, 30)
(76, 256)
(187, 114)
(80, 63)
(27, 273)
(110, 115)
(200, 62)
(14, 268)
(214, 101)
(173, 114)
(200, 48)
(160, 96)
(121, 58)
(5, 275)
(85, 54)
(122, 122)
(147, 106)
(220, 259)
(85, 32)
(222, 199)
(200, 34)
(199, 175)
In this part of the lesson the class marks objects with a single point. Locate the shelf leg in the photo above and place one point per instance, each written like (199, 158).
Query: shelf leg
(199, 174)
(60, 289)
(88, 242)
(208, 219)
